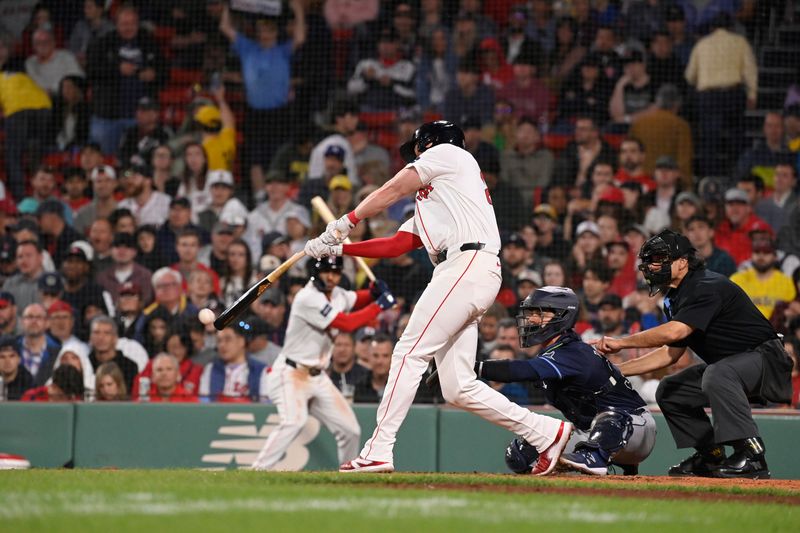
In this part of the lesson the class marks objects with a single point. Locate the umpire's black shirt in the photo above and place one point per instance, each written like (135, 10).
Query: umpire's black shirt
(725, 320)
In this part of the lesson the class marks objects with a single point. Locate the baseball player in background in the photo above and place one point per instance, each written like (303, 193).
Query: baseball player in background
(298, 384)
(454, 220)
(612, 423)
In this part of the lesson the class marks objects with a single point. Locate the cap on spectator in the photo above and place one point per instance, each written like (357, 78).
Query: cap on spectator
(640, 229)
(59, 306)
(710, 189)
(618, 242)
(145, 102)
(51, 283)
(219, 177)
(221, 227)
(276, 176)
(9, 342)
(736, 195)
(141, 168)
(666, 161)
(515, 239)
(336, 151)
(688, 196)
(180, 201)
(468, 64)
(611, 300)
(258, 327)
(208, 116)
(273, 296)
(233, 220)
(273, 237)
(301, 215)
(528, 55)
(342, 107)
(408, 210)
(8, 207)
(340, 181)
(6, 299)
(531, 276)
(387, 35)
(106, 170)
(546, 210)
(631, 186)
(674, 12)
(268, 263)
(8, 249)
(612, 195)
(50, 206)
(409, 114)
(364, 334)
(592, 59)
(587, 225)
(124, 239)
(764, 245)
(129, 288)
(471, 123)
(81, 250)
(633, 56)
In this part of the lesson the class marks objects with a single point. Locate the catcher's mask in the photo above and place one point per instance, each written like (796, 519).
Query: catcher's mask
(561, 301)
(661, 250)
(433, 133)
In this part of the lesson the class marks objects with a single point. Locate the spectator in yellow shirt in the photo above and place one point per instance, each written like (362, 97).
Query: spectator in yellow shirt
(765, 284)
(26, 108)
(218, 126)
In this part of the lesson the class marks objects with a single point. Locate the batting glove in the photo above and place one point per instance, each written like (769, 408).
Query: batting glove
(378, 287)
(318, 249)
(386, 300)
(337, 230)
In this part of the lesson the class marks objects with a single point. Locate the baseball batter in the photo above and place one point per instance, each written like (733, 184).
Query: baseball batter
(298, 384)
(455, 222)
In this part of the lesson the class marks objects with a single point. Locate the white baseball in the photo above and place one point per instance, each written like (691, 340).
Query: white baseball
(206, 316)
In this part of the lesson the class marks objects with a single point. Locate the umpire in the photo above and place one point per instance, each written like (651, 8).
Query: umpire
(743, 355)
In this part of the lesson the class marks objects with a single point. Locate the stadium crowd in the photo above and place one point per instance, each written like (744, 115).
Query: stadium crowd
(160, 158)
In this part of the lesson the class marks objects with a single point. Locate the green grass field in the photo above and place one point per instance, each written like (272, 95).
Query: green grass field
(184, 500)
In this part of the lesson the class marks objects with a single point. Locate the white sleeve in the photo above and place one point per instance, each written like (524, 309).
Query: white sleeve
(205, 381)
(314, 309)
(409, 227)
(434, 162)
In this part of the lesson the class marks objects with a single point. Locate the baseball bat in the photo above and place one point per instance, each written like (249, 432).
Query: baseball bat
(326, 214)
(244, 301)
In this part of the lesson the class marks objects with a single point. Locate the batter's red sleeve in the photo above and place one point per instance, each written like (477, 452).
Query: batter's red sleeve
(363, 297)
(353, 321)
(398, 244)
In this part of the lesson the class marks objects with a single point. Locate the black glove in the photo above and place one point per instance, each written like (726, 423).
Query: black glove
(386, 300)
(378, 287)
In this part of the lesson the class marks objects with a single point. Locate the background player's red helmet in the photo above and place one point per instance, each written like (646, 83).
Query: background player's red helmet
(432, 133)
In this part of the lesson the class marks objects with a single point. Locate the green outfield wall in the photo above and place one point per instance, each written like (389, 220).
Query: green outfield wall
(218, 436)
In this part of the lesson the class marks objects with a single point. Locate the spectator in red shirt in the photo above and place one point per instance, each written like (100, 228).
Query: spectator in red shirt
(622, 263)
(179, 346)
(733, 233)
(631, 165)
(67, 386)
(165, 385)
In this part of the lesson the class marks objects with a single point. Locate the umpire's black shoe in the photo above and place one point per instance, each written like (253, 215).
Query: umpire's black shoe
(698, 464)
(747, 461)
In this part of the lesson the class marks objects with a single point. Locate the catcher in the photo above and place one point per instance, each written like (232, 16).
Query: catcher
(612, 423)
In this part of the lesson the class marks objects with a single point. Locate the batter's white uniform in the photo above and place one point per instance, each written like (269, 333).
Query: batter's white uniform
(452, 208)
(295, 392)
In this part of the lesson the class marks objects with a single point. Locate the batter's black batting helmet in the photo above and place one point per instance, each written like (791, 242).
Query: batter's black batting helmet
(432, 133)
(521, 456)
(559, 300)
(326, 264)
(662, 250)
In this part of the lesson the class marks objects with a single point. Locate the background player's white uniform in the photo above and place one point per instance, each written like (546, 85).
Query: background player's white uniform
(295, 392)
(452, 208)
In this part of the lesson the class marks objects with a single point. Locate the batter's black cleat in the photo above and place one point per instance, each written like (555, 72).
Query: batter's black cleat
(747, 461)
(698, 464)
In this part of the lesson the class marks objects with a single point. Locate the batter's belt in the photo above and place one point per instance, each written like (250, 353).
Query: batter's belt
(310, 369)
(442, 256)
